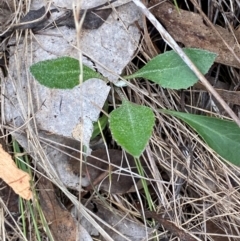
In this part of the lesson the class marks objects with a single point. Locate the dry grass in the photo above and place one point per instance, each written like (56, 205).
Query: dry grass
(190, 185)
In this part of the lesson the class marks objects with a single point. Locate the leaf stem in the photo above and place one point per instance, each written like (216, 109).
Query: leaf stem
(120, 93)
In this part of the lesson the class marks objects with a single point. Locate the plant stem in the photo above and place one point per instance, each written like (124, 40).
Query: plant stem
(120, 93)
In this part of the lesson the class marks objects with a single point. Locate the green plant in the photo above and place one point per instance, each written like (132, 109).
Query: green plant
(31, 211)
(223, 136)
(131, 125)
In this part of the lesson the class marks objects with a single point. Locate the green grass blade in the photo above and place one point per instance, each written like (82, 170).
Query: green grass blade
(32, 207)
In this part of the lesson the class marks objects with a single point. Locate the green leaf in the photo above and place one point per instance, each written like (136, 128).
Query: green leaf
(61, 73)
(131, 126)
(170, 71)
(222, 136)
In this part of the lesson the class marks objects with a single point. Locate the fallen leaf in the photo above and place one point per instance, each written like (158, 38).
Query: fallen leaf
(63, 226)
(188, 28)
(214, 229)
(94, 18)
(17, 179)
(170, 226)
(114, 175)
(129, 229)
(33, 19)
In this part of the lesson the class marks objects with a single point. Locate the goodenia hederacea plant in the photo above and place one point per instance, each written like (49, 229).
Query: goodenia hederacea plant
(222, 136)
(170, 71)
(61, 73)
(131, 126)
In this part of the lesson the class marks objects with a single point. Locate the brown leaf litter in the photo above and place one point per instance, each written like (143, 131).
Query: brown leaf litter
(183, 235)
(17, 179)
(97, 171)
(189, 29)
(113, 170)
(62, 224)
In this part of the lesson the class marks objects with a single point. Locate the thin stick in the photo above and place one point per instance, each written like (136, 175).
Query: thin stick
(171, 42)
